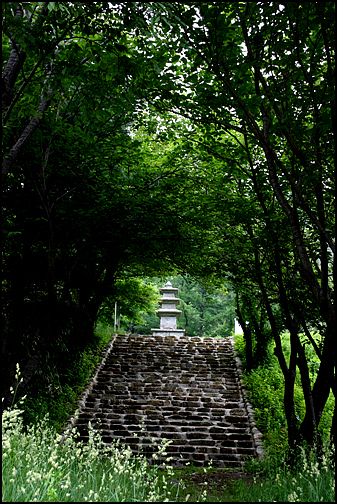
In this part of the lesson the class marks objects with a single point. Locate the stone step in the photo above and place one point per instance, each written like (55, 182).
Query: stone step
(185, 390)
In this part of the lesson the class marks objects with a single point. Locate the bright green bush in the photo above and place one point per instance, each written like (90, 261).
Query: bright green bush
(266, 389)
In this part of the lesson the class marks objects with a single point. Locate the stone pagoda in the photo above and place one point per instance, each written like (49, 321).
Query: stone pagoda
(168, 313)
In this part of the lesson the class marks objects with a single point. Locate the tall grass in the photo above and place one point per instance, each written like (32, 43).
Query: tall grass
(272, 480)
(39, 466)
(310, 480)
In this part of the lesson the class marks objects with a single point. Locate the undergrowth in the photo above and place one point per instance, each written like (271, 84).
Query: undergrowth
(265, 385)
(58, 382)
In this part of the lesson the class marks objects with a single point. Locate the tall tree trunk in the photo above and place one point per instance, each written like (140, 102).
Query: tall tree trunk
(289, 404)
(201, 325)
(186, 320)
(288, 373)
(333, 429)
(325, 380)
(247, 336)
(249, 348)
(308, 431)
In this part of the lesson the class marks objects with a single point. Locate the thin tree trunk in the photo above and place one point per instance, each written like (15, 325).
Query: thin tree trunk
(288, 373)
(14, 64)
(289, 404)
(309, 433)
(201, 325)
(333, 429)
(247, 335)
(28, 131)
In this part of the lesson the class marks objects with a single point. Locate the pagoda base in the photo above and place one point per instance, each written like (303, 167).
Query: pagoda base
(168, 332)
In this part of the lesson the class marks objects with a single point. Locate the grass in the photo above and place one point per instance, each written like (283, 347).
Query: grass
(270, 480)
(39, 466)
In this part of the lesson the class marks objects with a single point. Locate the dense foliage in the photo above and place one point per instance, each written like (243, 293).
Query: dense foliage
(146, 138)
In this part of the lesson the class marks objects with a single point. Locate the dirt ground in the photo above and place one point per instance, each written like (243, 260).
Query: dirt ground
(218, 479)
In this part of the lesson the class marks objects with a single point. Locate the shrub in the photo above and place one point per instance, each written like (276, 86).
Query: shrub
(266, 389)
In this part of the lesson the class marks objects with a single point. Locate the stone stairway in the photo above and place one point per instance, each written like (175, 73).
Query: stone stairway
(186, 390)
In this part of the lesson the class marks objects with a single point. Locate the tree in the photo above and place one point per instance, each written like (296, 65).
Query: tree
(84, 200)
(258, 81)
(209, 146)
(206, 310)
(134, 297)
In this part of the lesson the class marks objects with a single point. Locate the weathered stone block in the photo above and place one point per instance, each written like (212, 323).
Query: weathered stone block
(196, 436)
